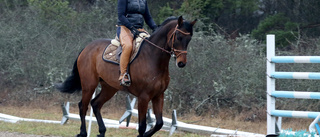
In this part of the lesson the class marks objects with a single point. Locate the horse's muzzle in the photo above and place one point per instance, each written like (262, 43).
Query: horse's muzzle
(181, 64)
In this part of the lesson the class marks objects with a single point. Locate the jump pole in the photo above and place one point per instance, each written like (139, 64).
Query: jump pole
(109, 123)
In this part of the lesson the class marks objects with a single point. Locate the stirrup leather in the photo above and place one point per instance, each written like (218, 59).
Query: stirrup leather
(126, 80)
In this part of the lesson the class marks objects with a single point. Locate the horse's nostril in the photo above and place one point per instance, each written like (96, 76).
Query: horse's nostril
(181, 64)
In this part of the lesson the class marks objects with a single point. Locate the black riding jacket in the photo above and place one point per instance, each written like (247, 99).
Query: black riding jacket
(133, 13)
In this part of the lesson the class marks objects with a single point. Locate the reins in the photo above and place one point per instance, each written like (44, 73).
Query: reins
(154, 44)
(172, 38)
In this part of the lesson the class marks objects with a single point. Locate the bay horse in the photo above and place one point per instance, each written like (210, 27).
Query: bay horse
(149, 74)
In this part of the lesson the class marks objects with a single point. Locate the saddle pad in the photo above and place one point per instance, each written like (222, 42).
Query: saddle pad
(111, 53)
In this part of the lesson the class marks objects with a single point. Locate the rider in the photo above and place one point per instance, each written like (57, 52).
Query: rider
(131, 16)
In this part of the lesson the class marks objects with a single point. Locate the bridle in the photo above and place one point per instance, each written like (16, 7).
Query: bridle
(172, 39)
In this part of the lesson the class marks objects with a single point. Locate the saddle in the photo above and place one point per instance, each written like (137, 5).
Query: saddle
(113, 51)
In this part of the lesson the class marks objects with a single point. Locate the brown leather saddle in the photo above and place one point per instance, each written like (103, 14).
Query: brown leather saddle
(113, 51)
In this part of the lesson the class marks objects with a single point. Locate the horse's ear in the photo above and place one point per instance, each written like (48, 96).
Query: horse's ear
(180, 21)
(194, 22)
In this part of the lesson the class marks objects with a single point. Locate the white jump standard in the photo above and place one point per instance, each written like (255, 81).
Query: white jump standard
(272, 94)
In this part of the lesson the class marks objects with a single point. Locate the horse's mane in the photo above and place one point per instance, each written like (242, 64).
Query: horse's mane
(169, 19)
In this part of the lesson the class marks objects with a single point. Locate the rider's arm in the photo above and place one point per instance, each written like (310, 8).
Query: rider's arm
(147, 17)
(122, 6)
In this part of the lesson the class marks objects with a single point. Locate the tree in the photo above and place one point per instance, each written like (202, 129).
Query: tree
(277, 24)
(229, 14)
(299, 11)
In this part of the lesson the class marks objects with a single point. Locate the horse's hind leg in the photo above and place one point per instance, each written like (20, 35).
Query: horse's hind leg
(157, 103)
(87, 90)
(106, 93)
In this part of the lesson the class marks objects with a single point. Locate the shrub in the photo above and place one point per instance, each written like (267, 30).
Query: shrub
(220, 74)
(37, 49)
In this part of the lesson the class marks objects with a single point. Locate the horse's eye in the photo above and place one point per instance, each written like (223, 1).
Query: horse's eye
(179, 38)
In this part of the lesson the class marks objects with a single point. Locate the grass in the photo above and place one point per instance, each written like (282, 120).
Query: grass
(72, 128)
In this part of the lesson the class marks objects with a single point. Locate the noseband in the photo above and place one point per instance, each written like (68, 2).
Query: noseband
(172, 39)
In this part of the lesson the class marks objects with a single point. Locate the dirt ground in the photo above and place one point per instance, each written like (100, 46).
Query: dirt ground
(9, 134)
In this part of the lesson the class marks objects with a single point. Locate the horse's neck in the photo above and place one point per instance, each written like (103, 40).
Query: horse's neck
(157, 56)
(160, 38)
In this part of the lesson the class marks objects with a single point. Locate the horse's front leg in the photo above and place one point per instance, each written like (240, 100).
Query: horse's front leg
(142, 110)
(157, 104)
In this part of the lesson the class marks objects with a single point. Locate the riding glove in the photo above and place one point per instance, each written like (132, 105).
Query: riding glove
(134, 31)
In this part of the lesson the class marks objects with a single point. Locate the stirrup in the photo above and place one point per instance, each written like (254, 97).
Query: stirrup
(125, 81)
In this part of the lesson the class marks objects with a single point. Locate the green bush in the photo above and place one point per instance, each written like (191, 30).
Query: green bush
(12, 4)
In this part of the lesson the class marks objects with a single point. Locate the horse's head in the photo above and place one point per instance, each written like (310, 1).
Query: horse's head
(178, 40)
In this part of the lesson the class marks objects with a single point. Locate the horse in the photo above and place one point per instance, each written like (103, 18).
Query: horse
(149, 74)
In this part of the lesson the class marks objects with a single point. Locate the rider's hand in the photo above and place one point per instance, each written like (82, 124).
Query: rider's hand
(155, 29)
(135, 32)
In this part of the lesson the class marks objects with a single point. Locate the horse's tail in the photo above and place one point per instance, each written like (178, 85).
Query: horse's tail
(72, 83)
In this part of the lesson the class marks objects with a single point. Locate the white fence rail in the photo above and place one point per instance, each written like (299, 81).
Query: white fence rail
(177, 125)
(14, 119)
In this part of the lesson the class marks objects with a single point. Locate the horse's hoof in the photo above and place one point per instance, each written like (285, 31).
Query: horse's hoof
(79, 135)
(100, 135)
